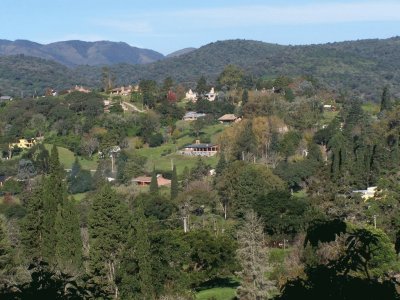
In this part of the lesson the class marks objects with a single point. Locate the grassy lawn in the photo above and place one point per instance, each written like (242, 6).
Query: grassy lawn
(164, 156)
(371, 108)
(219, 289)
(67, 158)
(223, 293)
(328, 116)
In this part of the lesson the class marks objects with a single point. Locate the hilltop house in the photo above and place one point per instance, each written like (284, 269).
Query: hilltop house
(23, 144)
(192, 116)
(124, 91)
(199, 149)
(146, 180)
(211, 95)
(5, 99)
(191, 96)
(79, 89)
(228, 119)
(368, 193)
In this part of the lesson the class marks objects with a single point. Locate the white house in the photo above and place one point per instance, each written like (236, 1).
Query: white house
(191, 96)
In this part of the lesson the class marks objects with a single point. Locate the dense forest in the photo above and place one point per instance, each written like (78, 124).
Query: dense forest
(358, 68)
(284, 210)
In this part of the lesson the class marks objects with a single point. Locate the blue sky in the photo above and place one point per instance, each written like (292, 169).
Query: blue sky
(169, 25)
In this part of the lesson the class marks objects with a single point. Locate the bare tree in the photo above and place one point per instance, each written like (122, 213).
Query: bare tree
(253, 256)
(89, 145)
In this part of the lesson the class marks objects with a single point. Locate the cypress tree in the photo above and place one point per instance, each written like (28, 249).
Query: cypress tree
(108, 223)
(220, 167)
(6, 257)
(174, 184)
(68, 247)
(53, 194)
(142, 253)
(154, 183)
(32, 225)
(385, 99)
(245, 97)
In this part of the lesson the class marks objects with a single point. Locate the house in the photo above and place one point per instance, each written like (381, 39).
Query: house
(368, 193)
(329, 107)
(23, 144)
(228, 119)
(146, 180)
(79, 89)
(192, 116)
(191, 96)
(123, 91)
(211, 95)
(199, 149)
(5, 99)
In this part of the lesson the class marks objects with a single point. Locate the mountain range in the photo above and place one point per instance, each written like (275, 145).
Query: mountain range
(359, 67)
(74, 53)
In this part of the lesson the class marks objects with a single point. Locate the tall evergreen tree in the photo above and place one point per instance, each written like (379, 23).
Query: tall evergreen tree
(385, 99)
(153, 183)
(54, 191)
(142, 253)
(6, 257)
(245, 97)
(32, 225)
(174, 184)
(68, 247)
(108, 225)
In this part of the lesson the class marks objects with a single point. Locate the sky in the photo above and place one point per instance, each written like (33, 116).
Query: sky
(169, 25)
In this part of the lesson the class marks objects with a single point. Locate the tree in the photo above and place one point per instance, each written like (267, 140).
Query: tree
(153, 189)
(107, 225)
(142, 253)
(202, 86)
(385, 99)
(53, 194)
(231, 77)
(245, 96)
(253, 257)
(32, 225)
(68, 247)
(174, 184)
(6, 253)
(89, 144)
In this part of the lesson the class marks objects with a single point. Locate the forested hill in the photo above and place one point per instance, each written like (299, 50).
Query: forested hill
(361, 67)
(73, 53)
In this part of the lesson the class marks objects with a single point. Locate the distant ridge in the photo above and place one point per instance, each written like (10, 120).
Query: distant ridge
(73, 53)
(181, 52)
(355, 68)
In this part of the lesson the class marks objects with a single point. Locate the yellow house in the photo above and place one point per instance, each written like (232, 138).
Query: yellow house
(23, 143)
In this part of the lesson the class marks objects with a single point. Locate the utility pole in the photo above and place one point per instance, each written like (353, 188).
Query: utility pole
(185, 227)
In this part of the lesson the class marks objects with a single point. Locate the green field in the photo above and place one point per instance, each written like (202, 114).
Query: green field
(164, 156)
(224, 293)
(67, 158)
(371, 108)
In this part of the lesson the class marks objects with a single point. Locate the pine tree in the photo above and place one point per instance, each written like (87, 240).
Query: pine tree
(220, 165)
(68, 247)
(174, 184)
(142, 253)
(253, 257)
(108, 223)
(153, 183)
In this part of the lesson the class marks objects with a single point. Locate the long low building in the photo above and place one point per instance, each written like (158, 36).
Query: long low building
(199, 149)
(146, 180)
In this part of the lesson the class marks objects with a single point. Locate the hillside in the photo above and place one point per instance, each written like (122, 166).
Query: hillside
(361, 67)
(73, 53)
(181, 52)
